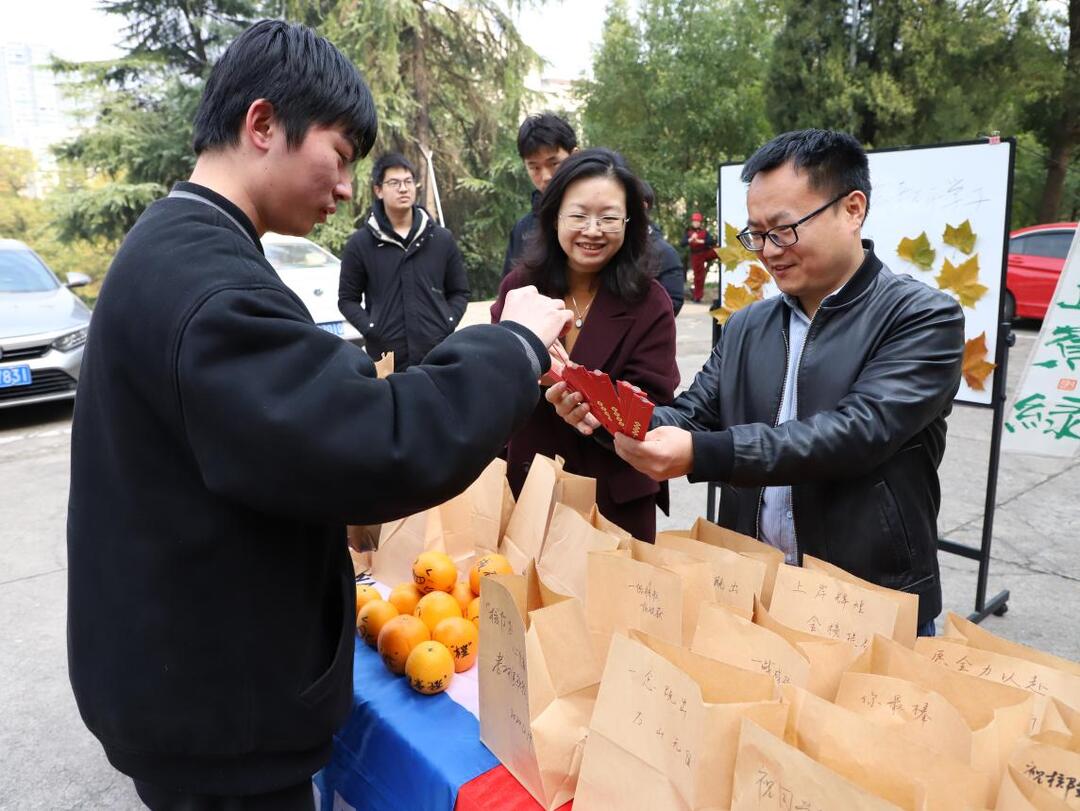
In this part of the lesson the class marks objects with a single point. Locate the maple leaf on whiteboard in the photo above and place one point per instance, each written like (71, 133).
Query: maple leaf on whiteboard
(962, 279)
(917, 251)
(736, 296)
(757, 278)
(961, 236)
(976, 367)
(733, 252)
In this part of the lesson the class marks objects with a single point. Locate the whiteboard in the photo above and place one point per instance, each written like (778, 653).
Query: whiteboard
(922, 190)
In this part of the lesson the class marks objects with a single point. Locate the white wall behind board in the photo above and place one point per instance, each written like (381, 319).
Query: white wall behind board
(917, 190)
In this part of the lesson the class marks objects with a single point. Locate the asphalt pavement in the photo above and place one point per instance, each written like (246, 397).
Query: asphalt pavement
(52, 762)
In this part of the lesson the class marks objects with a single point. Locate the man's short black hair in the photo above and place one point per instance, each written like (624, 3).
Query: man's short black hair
(834, 161)
(390, 160)
(306, 78)
(544, 129)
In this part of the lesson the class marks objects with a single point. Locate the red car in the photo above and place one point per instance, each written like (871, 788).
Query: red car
(1036, 258)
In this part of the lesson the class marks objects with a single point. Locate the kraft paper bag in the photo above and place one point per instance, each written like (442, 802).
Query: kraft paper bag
(978, 637)
(716, 535)
(737, 578)
(998, 715)
(1042, 775)
(1040, 680)
(1060, 717)
(899, 770)
(828, 658)
(920, 715)
(458, 527)
(770, 774)
(546, 485)
(646, 588)
(1019, 794)
(665, 728)
(725, 636)
(907, 605)
(538, 679)
(570, 538)
(825, 606)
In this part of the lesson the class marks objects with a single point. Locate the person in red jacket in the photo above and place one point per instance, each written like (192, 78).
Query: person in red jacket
(700, 243)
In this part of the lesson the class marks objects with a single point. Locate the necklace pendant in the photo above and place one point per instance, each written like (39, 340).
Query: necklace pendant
(578, 322)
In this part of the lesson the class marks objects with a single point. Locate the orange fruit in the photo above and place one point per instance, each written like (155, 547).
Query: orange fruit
(371, 618)
(429, 668)
(397, 639)
(473, 611)
(364, 595)
(405, 596)
(463, 594)
(492, 563)
(461, 638)
(436, 606)
(434, 571)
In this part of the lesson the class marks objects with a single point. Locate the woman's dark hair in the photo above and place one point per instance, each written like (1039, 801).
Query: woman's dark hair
(307, 79)
(387, 161)
(628, 273)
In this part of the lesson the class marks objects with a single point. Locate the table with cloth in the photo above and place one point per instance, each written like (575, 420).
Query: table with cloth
(403, 751)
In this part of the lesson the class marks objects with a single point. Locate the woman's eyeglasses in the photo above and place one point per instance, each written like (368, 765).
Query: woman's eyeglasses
(582, 222)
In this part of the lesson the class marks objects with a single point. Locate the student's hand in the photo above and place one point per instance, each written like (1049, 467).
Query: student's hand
(547, 318)
(665, 453)
(568, 405)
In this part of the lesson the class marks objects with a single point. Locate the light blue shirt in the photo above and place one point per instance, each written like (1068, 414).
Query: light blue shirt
(777, 517)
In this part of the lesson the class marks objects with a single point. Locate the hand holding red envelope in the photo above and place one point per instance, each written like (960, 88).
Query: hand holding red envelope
(620, 408)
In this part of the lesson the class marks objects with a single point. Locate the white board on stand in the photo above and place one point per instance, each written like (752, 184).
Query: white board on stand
(923, 190)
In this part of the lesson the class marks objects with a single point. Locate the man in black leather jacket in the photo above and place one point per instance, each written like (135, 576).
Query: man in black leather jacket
(821, 411)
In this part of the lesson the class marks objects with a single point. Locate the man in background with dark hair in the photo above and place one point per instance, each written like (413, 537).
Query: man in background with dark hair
(669, 267)
(221, 443)
(544, 141)
(403, 283)
(822, 410)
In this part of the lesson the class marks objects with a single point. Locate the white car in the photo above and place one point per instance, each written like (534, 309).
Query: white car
(42, 329)
(312, 273)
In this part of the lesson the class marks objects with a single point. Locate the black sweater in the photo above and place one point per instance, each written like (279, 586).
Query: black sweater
(220, 443)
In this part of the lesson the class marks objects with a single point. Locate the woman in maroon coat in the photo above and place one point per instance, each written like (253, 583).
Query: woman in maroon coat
(590, 248)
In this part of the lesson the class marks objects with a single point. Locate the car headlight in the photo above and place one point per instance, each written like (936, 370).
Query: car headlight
(71, 340)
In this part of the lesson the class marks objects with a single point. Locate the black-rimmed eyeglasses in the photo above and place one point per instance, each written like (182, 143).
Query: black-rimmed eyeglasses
(782, 236)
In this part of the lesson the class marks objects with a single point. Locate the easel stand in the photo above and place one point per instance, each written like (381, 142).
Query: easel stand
(998, 604)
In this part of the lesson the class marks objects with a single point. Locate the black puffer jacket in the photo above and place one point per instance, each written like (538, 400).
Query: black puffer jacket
(414, 290)
(879, 370)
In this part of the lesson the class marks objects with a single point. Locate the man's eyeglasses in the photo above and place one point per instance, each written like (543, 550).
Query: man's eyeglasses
(782, 236)
(581, 222)
(395, 183)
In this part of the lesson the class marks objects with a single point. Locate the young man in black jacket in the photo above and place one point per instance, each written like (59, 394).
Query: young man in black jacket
(821, 410)
(221, 442)
(669, 267)
(403, 282)
(544, 141)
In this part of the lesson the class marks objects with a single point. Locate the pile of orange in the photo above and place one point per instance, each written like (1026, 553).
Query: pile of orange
(427, 630)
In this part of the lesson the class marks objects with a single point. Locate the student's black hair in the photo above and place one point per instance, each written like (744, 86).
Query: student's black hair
(390, 160)
(628, 272)
(303, 75)
(544, 129)
(834, 162)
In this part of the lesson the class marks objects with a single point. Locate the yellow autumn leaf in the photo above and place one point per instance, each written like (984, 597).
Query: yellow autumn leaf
(757, 277)
(917, 251)
(976, 368)
(733, 252)
(963, 280)
(961, 236)
(735, 298)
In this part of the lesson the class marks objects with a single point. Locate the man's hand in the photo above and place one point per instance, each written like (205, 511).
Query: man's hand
(547, 318)
(665, 452)
(568, 405)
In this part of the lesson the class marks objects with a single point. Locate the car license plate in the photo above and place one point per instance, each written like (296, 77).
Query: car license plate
(336, 327)
(11, 376)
